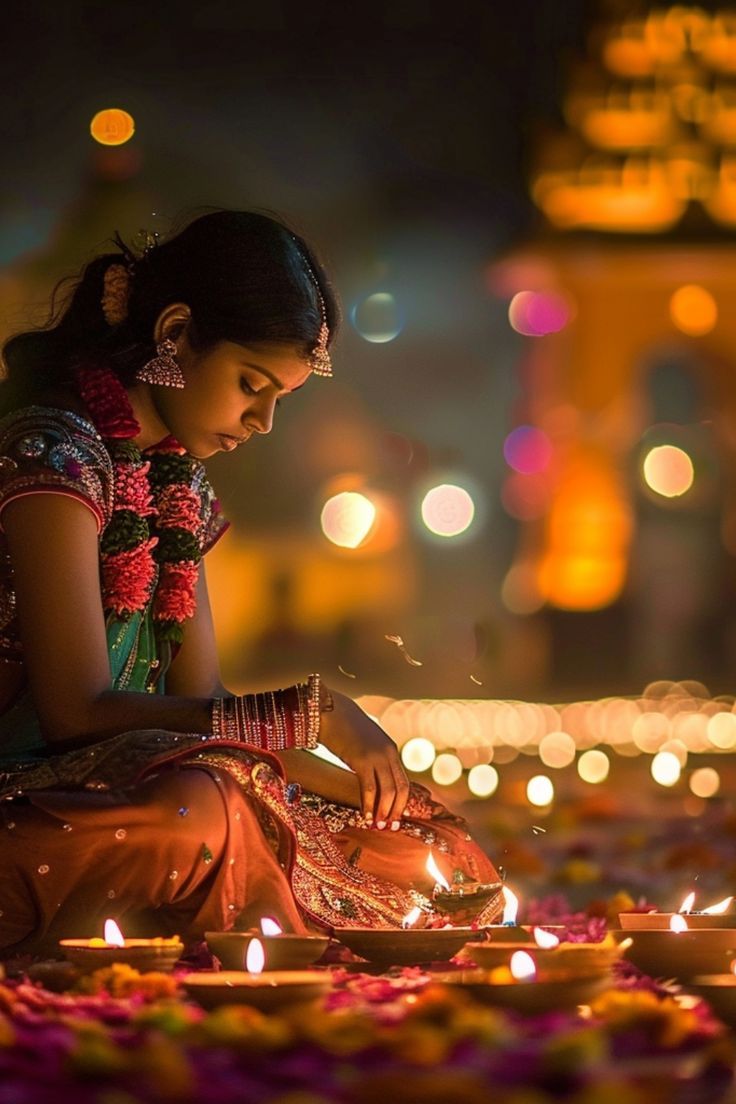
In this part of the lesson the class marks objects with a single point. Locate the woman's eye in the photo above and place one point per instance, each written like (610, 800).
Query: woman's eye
(247, 387)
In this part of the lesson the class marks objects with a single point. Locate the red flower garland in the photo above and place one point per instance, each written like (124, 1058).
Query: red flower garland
(130, 574)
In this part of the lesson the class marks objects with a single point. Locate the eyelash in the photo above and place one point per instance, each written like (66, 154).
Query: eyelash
(245, 386)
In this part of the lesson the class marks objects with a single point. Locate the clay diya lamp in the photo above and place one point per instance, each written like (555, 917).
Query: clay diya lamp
(680, 951)
(141, 954)
(282, 950)
(267, 990)
(715, 916)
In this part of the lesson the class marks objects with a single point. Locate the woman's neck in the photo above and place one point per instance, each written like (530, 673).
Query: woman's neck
(153, 429)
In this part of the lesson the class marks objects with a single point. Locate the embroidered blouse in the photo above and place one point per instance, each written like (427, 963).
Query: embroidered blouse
(45, 449)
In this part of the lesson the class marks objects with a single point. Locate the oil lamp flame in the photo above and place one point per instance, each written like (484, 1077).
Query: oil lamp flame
(522, 966)
(733, 965)
(269, 926)
(411, 917)
(721, 907)
(255, 957)
(687, 904)
(434, 872)
(546, 940)
(678, 923)
(113, 935)
(511, 906)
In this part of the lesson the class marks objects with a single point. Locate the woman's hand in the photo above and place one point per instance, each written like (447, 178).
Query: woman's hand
(364, 746)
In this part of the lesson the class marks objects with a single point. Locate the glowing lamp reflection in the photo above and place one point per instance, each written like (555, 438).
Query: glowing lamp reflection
(593, 766)
(447, 510)
(678, 924)
(522, 966)
(376, 318)
(693, 310)
(511, 906)
(434, 872)
(446, 769)
(546, 940)
(418, 754)
(347, 518)
(535, 314)
(666, 768)
(113, 935)
(705, 782)
(269, 926)
(668, 471)
(255, 957)
(482, 780)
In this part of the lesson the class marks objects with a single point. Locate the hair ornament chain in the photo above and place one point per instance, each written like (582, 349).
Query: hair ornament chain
(319, 358)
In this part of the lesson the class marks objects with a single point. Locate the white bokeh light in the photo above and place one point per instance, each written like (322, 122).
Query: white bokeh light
(557, 749)
(418, 754)
(593, 766)
(539, 790)
(447, 510)
(482, 780)
(446, 769)
(347, 518)
(666, 768)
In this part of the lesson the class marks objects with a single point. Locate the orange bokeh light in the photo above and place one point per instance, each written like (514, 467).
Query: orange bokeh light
(112, 127)
(693, 310)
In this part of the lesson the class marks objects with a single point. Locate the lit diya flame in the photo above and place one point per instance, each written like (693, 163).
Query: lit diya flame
(255, 957)
(411, 917)
(687, 904)
(733, 965)
(678, 923)
(522, 966)
(722, 906)
(546, 940)
(269, 926)
(434, 871)
(113, 935)
(511, 906)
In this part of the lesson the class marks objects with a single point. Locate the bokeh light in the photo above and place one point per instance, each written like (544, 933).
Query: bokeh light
(482, 780)
(593, 766)
(722, 731)
(112, 127)
(539, 790)
(668, 471)
(666, 768)
(447, 510)
(446, 769)
(527, 450)
(536, 313)
(347, 518)
(418, 754)
(557, 749)
(376, 318)
(705, 782)
(693, 310)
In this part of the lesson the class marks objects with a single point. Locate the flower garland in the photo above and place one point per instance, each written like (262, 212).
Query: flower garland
(153, 539)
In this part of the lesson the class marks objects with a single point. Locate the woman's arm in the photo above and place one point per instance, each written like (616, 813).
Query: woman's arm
(53, 546)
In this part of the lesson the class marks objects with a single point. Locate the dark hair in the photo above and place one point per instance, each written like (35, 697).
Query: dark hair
(246, 277)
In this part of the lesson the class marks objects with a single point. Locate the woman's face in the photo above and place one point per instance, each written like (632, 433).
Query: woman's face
(230, 392)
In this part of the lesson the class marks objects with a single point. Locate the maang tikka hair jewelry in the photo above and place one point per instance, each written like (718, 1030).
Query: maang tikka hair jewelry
(163, 369)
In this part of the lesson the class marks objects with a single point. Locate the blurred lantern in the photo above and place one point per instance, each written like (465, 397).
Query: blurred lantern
(347, 518)
(376, 318)
(447, 510)
(527, 450)
(693, 310)
(668, 471)
(536, 313)
(112, 127)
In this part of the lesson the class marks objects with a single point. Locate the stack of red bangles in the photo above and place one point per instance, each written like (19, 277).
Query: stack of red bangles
(274, 720)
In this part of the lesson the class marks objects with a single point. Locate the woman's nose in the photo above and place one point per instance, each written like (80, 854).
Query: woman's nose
(260, 416)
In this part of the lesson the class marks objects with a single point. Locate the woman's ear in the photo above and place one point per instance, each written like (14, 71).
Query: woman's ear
(171, 322)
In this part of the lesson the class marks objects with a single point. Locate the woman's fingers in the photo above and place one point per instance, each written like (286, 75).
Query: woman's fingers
(368, 794)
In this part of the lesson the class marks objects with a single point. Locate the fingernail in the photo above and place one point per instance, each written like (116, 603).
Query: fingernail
(369, 818)
(381, 824)
(395, 825)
